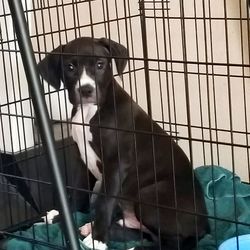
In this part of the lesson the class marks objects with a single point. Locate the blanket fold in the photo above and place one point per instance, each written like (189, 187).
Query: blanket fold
(228, 200)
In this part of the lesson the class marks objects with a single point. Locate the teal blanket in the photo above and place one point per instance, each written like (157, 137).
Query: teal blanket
(52, 234)
(219, 186)
(226, 198)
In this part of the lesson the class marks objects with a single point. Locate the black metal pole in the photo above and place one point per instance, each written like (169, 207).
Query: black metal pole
(145, 55)
(42, 116)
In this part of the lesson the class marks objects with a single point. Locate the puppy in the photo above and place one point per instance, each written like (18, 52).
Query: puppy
(138, 167)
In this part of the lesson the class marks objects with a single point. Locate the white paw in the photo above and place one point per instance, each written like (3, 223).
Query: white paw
(94, 244)
(48, 218)
(86, 229)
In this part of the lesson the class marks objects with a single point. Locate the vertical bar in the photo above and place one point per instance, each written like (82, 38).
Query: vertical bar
(208, 33)
(230, 105)
(145, 54)
(42, 116)
(244, 74)
(189, 125)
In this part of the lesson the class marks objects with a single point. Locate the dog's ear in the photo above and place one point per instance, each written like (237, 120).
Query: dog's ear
(116, 50)
(50, 67)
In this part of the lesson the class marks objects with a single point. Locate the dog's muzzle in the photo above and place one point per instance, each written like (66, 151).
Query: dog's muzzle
(87, 94)
(86, 91)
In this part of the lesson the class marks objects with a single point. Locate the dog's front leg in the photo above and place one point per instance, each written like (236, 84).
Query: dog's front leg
(105, 203)
(104, 206)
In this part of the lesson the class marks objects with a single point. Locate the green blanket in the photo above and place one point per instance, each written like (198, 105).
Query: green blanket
(219, 186)
(216, 182)
(52, 234)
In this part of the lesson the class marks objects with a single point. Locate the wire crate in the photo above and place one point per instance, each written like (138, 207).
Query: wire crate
(188, 68)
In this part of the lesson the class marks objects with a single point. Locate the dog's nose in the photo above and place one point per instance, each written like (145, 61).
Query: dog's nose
(86, 90)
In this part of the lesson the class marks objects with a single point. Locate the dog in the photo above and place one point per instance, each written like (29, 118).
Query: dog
(138, 167)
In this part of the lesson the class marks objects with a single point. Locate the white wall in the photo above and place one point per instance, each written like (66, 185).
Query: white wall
(208, 91)
(16, 131)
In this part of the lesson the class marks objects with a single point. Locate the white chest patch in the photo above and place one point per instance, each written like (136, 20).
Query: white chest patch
(82, 136)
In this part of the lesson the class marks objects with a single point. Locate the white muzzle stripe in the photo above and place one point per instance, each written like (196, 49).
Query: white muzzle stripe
(85, 79)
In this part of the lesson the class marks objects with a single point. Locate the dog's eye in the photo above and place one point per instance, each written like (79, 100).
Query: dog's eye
(71, 67)
(99, 65)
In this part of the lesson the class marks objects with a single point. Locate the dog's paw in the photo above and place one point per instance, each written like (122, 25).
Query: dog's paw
(90, 243)
(49, 217)
(86, 229)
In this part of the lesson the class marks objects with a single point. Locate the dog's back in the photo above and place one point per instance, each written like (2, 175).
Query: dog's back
(159, 174)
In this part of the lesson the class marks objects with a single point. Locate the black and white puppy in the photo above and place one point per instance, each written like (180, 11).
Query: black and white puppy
(129, 154)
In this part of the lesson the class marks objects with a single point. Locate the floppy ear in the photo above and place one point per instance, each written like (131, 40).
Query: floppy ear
(50, 67)
(116, 50)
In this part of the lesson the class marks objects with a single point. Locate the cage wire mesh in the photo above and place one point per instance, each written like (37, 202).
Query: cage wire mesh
(188, 68)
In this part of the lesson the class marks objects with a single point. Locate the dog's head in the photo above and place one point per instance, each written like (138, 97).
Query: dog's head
(84, 66)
